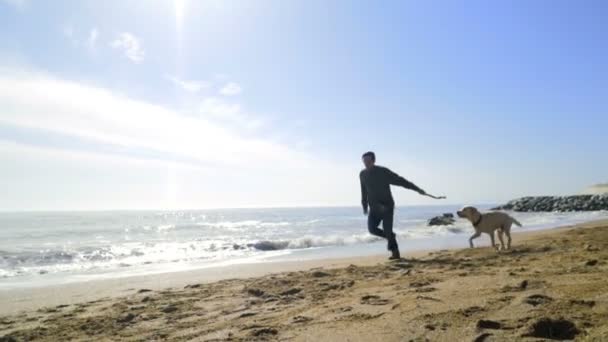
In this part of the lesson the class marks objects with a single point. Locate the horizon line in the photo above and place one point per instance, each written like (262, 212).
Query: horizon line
(222, 208)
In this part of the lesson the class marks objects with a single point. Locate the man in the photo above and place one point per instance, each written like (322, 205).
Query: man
(376, 184)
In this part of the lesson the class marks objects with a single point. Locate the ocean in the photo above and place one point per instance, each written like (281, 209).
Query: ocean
(43, 248)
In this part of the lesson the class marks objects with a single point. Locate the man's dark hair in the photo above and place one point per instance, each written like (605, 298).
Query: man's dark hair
(369, 154)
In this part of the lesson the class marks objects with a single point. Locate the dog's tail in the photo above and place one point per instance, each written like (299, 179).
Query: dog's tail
(516, 222)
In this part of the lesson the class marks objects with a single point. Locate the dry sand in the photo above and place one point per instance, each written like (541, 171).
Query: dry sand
(552, 285)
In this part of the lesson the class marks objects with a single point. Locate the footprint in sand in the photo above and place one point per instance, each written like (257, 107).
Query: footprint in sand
(320, 274)
(247, 314)
(291, 292)
(301, 319)
(420, 283)
(374, 300)
(487, 324)
(470, 311)
(428, 298)
(537, 299)
(522, 286)
(256, 292)
(265, 332)
(169, 309)
(588, 303)
(481, 338)
(126, 318)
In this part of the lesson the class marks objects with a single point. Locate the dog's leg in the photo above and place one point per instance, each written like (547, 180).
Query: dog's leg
(502, 241)
(508, 233)
(474, 236)
(492, 239)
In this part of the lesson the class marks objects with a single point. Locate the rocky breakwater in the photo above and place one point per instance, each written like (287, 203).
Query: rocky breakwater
(443, 220)
(558, 203)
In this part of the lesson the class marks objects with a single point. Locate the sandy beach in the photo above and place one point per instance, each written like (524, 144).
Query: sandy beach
(551, 285)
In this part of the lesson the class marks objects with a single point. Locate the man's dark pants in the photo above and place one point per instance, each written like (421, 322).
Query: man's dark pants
(384, 214)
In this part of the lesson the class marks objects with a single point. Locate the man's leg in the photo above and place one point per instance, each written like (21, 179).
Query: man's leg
(373, 220)
(387, 226)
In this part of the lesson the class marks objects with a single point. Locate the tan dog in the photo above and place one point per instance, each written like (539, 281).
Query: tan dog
(488, 223)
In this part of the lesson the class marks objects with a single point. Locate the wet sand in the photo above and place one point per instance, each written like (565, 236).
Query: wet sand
(552, 285)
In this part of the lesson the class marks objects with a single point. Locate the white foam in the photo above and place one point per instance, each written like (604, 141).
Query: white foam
(215, 239)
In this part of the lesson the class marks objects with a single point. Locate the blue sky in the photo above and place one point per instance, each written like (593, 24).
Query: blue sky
(196, 104)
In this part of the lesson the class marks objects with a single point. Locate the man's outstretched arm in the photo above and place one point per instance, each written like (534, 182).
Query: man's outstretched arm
(395, 179)
(363, 195)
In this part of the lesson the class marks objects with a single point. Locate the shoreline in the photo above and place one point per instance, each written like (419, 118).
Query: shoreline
(550, 285)
(16, 300)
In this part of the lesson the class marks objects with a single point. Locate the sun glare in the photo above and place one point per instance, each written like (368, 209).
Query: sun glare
(180, 8)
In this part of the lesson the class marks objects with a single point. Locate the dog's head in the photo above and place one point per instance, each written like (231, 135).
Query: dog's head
(470, 213)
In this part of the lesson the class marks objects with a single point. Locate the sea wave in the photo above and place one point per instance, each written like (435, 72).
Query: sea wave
(311, 242)
(198, 240)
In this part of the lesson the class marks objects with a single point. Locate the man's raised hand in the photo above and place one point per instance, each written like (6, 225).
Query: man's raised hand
(435, 197)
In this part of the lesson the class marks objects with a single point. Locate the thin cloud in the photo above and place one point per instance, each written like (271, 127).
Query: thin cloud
(130, 45)
(217, 109)
(97, 114)
(231, 89)
(188, 85)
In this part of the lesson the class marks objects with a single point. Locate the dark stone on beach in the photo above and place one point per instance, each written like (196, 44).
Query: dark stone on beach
(320, 274)
(486, 324)
(269, 245)
(443, 220)
(169, 309)
(591, 263)
(126, 318)
(144, 291)
(523, 285)
(558, 329)
(448, 215)
(146, 299)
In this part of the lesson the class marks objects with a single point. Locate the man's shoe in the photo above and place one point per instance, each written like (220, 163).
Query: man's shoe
(395, 256)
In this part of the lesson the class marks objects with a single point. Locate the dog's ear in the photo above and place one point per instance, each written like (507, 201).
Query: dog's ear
(466, 212)
(475, 213)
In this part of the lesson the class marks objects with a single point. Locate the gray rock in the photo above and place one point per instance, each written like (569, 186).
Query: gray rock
(441, 221)
(557, 203)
